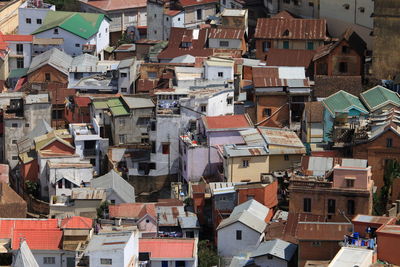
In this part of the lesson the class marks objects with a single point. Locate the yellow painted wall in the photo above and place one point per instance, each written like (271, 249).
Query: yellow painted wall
(278, 162)
(257, 165)
(9, 17)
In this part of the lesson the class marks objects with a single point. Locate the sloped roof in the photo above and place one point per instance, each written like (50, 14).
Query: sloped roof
(328, 85)
(281, 137)
(292, 28)
(42, 239)
(226, 33)
(279, 76)
(76, 222)
(343, 102)
(246, 218)
(333, 231)
(378, 97)
(254, 207)
(133, 210)
(24, 257)
(187, 3)
(114, 181)
(55, 58)
(289, 57)
(226, 122)
(277, 247)
(112, 5)
(138, 102)
(163, 248)
(83, 25)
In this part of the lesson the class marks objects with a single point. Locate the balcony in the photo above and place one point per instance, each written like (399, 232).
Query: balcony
(88, 48)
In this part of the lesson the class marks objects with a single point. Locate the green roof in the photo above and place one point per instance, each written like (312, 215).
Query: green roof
(119, 111)
(114, 102)
(342, 102)
(18, 73)
(378, 97)
(100, 104)
(84, 25)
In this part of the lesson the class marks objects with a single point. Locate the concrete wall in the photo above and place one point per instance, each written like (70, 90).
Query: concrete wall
(228, 246)
(191, 14)
(278, 162)
(27, 54)
(233, 43)
(275, 261)
(362, 177)
(59, 255)
(102, 38)
(235, 172)
(212, 72)
(155, 21)
(172, 263)
(307, 251)
(33, 14)
(9, 17)
(388, 248)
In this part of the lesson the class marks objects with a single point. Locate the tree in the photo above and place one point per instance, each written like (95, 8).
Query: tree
(65, 5)
(392, 171)
(206, 254)
(102, 210)
(32, 188)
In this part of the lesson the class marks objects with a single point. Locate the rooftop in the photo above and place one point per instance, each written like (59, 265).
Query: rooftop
(289, 57)
(389, 229)
(348, 256)
(374, 219)
(343, 102)
(277, 247)
(113, 5)
(133, 210)
(76, 222)
(244, 150)
(187, 3)
(378, 97)
(168, 248)
(227, 122)
(108, 242)
(323, 230)
(228, 12)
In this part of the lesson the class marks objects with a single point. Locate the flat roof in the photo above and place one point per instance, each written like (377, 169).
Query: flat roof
(373, 219)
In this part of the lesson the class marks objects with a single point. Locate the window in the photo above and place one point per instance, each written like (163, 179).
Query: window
(179, 19)
(77, 45)
(124, 90)
(316, 243)
(224, 43)
(20, 49)
(179, 264)
(345, 49)
(155, 31)
(14, 125)
(106, 261)
(310, 45)
(155, 15)
(238, 235)
(124, 75)
(220, 74)
(199, 14)
(99, 34)
(167, 19)
(112, 201)
(68, 184)
(165, 149)
(55, 31)
(26, 124)
(343, 67)
(250, 197)
(147, 220)
(203, 108)
(389, 142)
(20, 63)
(349, 182)
(331, 206)
(122, 139)
(152, 75)
(286, 157)
(307, 205)
(78, 75)
(106, 30)
(153, 147)
(285, 44)
(350, 207)
(14, 141)
(267, 112)
(28, 20)
(164, 264)
(229, 100)
(47, 77)
(14, 158)
(121, 122)
(266, 46)
(270, 257)
(186, 44)
(49, 260)
(245, 163)
(38, 21)
(224, 2)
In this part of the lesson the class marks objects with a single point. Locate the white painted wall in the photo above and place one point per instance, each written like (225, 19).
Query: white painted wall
(60, 257)
(233, 43)
(274, 262)
(82, 174)
(218, 105)
(103, 37)
(178, 21)
(228, 246)
(211, 72)
(27, 54)
(33, 14)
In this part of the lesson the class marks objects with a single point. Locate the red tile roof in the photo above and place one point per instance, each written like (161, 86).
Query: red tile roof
(226, 33)
(187, 3)
(18, 38)
(132, 210)
(168, 248)
(76, 222)
(289, 57)
(109, 5)
(82, 101)
(295, 29)
(38, 239)
(227, 122)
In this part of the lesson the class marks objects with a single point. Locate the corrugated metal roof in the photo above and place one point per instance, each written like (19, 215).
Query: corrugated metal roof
(277, 248)
(244, 150)
(55, 58)
(138, 102)
(348, 256)
(281, 137)
(168, 215)
(246, 218)
(39, 98)
(253, 206)
(342, 102)
(374, 219)
(378, 97)
(226, 33)
(88, 193)
(114, 181)
(108, 242)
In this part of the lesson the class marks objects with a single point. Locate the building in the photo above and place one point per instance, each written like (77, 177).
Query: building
(24, 257)
(275, 253)
(117, 188)
(349, 191)
(114, 249)
(379, 100)
(197, 12)
(235, 18)
(77, 109)
(169, 252)
(344, 57)
(123, 14)
(20, 118)
(284, 31)
(313, 122)
(20, 50)
(31, 15)
(342, 111)
(89, 144)
(241, 231)
(279, 95)
(11, 204)
(91, 37)
(388, 240)
(353, 256)
(367, 224)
